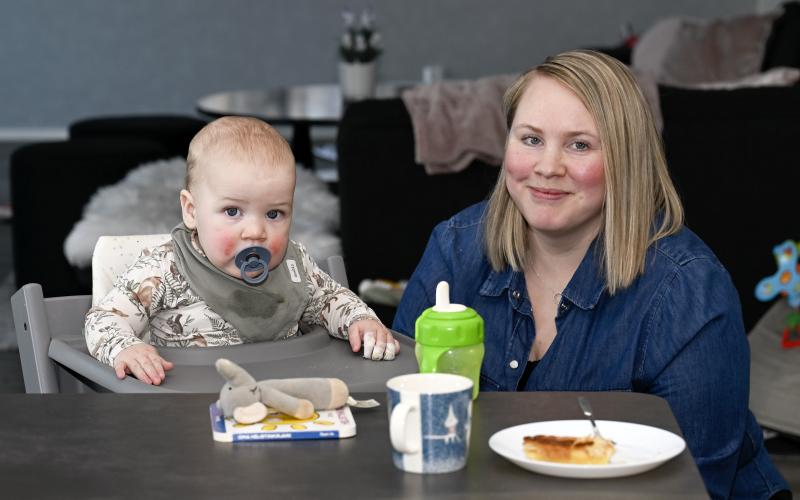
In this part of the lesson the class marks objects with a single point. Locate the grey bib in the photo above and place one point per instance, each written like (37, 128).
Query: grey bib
(266, 311)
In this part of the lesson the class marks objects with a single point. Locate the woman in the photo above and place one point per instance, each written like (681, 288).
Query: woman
(587, 279)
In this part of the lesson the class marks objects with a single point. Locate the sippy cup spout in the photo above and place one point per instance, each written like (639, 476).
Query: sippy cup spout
(443, 299)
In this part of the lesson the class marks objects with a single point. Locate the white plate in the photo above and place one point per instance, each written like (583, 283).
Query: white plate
(639, 447)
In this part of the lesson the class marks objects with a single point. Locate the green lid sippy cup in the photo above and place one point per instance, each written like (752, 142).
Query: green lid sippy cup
(450, 338)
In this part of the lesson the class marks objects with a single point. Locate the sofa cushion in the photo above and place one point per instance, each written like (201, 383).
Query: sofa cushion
(680, 51)
(173, 132)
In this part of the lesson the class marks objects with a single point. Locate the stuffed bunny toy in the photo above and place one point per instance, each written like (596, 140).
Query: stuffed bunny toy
(246, 400)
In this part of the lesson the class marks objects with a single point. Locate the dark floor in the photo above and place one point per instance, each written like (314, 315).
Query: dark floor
(784, 451)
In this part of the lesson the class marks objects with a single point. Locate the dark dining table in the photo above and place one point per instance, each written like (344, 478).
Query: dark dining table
(161, 446)
(300, 106)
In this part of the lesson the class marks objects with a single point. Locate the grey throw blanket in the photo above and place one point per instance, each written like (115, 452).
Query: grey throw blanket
(456, 122)
(266, 311)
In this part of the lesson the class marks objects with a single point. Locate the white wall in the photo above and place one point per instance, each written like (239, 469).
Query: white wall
(63, 60)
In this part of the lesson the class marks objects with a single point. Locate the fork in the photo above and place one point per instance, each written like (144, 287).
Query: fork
(587, 411)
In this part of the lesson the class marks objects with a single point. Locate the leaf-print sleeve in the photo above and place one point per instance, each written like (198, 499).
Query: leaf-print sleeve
(332, 306)
(122, 317)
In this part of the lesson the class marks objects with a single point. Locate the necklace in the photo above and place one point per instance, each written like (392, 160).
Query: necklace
(556, 294)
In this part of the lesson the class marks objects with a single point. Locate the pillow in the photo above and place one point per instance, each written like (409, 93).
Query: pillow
(681, 51)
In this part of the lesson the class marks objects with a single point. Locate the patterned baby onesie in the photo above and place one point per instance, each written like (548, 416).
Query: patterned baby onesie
(152, 302)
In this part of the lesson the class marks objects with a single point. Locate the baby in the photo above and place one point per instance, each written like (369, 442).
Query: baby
(230, 273)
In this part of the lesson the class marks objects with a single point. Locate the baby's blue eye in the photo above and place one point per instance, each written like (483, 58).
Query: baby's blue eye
(231, 211)
(273, 214)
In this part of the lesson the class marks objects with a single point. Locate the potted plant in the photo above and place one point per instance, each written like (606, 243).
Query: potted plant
(358, 50)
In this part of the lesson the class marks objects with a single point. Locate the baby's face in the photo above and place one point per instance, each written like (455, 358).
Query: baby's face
(235, 204)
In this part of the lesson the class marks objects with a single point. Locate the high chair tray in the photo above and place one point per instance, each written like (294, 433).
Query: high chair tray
(55, 358)
(314, 354)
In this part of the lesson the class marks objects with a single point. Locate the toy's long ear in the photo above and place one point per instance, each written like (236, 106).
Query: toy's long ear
(233, 373)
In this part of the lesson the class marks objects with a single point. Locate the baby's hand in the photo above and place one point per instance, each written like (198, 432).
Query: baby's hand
(143, 362)
(378, 341)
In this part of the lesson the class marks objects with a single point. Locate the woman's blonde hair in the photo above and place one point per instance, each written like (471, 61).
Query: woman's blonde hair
(637, 183)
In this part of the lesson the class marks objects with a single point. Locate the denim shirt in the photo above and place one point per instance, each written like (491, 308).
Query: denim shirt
(675, 332)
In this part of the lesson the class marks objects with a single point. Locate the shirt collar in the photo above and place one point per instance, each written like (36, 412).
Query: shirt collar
(583, 290)
(498, 281)
(588, 282)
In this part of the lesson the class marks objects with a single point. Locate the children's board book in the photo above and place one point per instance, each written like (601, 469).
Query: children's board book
(276, 426)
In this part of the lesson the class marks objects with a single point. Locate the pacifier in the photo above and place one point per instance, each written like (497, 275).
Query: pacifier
(253, 259)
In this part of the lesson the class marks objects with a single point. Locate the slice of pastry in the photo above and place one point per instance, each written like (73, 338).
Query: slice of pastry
(569, 450)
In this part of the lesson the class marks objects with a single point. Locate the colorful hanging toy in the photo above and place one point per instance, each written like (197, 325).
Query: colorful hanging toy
(785, 282)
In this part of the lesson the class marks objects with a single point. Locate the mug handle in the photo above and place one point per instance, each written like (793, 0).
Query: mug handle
(397, 429)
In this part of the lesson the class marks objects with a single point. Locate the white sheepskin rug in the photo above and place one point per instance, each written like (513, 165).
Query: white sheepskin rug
(146, 201)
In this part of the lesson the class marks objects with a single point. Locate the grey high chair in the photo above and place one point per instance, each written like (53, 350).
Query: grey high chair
(55, 358)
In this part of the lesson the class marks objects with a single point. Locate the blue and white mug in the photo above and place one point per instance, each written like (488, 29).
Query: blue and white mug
(429, 421)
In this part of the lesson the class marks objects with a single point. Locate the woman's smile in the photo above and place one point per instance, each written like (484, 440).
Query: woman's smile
(547, 194)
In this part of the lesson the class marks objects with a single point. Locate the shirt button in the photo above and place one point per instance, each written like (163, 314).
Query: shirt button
(514, 364)
(515, 294)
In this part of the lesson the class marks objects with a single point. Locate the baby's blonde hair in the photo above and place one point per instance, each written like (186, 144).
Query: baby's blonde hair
(637, 184)
(241, 137)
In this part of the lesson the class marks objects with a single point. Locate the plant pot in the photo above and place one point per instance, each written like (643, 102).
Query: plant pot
(357, 80)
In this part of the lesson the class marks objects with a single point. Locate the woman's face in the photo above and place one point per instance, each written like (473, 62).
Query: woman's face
(554, 162)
